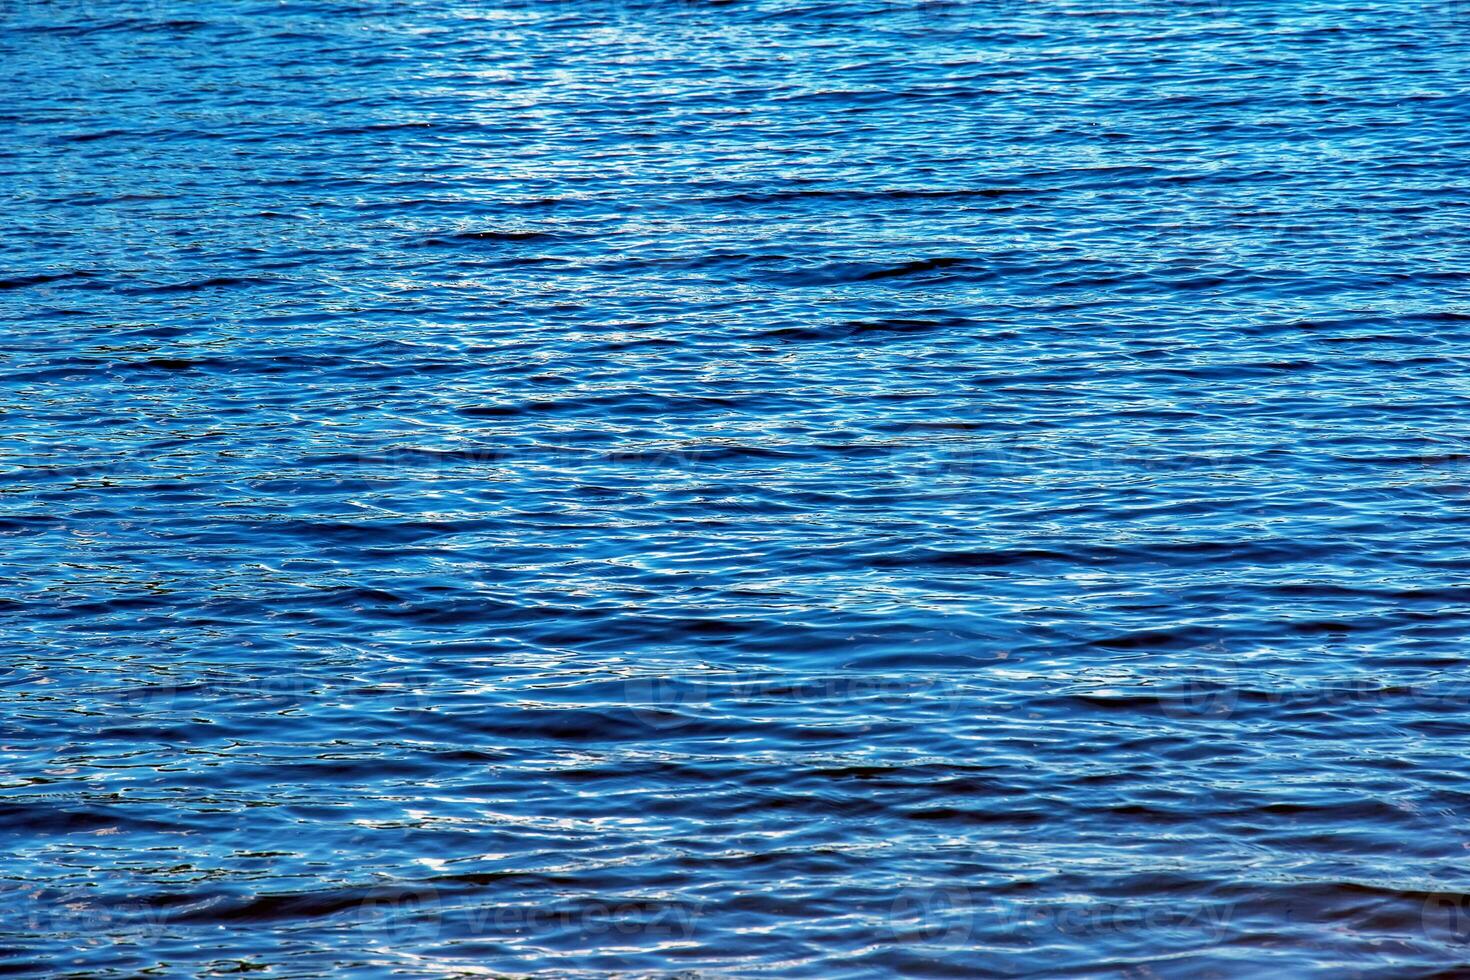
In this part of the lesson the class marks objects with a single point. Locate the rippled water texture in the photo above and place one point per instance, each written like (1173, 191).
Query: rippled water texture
(761, 488)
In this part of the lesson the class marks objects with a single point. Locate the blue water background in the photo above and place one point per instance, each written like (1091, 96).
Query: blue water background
(768, 488)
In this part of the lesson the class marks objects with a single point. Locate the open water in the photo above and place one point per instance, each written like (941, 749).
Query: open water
(780, 488)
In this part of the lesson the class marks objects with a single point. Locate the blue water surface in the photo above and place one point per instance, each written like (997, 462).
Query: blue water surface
(777, 488)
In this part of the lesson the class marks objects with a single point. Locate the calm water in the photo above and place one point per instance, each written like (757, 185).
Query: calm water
(770, 488)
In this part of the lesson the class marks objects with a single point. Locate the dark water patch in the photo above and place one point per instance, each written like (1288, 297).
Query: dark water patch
(491, 237)
(927, 270)
(40, 279)
(197, 285)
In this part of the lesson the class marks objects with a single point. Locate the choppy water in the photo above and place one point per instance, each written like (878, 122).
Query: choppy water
(766, 488)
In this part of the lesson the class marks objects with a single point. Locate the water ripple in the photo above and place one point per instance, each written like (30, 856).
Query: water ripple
(843, 488)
